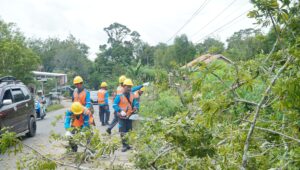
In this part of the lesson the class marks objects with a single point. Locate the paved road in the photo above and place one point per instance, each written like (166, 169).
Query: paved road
(41, 140)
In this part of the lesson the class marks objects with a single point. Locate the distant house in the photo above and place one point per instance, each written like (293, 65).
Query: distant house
(207, 58)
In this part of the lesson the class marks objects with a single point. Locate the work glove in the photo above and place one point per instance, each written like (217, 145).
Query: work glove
(146, 84)
(68, 134)
(123, 113)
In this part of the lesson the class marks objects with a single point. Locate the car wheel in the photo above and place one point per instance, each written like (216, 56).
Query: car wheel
(31, 127)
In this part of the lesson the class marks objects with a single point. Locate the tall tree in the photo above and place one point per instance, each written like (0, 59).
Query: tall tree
(16, 58)
(245, 44)
(179, 53)
(68, 56)
(210, 45)
(184, 50)
(123, 49)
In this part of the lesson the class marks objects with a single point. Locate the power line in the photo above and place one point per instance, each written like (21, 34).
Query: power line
(217, 16)
(190, 19)
(223, 26)
(228, 26)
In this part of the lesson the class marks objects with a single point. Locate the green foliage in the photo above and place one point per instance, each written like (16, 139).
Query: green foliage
(184, 51)
(210, 45)
(246, 44)
(190, 135)
(172, 143)
(57, 118)
(54, 107)
(163, 104)
(31, 162)
(16, 58)
(180, 53)
(204, 117)
(8, 140)
(258, 89)
(64, 56)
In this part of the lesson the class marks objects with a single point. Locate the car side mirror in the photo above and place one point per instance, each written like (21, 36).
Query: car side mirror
(7, 102)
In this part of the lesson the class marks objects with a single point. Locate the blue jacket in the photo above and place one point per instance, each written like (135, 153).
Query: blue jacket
(136, 88)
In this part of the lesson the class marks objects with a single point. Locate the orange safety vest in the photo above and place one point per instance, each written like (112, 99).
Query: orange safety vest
(79, 97)
(120, 90)
(101, 96)
(79, 122)
(126, 105)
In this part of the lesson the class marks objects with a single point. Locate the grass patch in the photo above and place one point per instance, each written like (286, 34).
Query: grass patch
(54, 107)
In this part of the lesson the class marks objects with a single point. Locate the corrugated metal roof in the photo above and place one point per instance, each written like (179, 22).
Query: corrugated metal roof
(39, 73)
(207, 58)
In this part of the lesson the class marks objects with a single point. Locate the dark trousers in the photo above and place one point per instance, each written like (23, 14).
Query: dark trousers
(104, 114)
(114, 121)
(125, 125)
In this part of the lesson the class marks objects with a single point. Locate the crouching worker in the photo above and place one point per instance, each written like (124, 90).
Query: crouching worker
(125, 105)
(77, 119)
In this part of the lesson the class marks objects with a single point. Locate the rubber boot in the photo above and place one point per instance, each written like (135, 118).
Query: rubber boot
(124, 142)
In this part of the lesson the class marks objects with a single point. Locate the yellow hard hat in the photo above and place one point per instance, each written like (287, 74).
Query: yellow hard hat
(121, 79)
(103, 84)
(127, 82)
(143, 89)
(77, 80)
(77, 108)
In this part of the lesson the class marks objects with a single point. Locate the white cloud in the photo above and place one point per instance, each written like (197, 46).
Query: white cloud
(155, 20)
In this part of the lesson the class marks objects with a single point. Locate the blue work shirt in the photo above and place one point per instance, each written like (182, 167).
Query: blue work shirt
(136, 88)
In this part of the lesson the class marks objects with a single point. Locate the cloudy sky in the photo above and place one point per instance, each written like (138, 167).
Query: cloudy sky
(156, 20)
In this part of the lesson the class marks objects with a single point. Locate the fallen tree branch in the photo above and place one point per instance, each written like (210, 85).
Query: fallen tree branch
(151, 149)
(53, 160)
(257, 110)
(84, 152)
(245, 101)
(219, 78)
(235, 86)
(152, 164)
(261, 154)
(272, 51)
(278, 133)
(267, 104)
(112, 162)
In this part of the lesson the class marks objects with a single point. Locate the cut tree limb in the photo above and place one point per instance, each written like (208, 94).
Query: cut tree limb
(152, 164)
(246, 101)
(278, 133)
(53, 160)
(257, 110)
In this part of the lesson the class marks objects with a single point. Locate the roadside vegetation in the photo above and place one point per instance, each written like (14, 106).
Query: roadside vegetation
(54, 107)
(242, 114)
